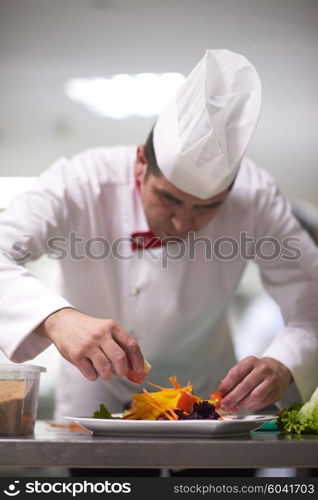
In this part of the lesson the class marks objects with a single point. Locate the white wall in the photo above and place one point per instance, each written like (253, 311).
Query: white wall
(43, 42)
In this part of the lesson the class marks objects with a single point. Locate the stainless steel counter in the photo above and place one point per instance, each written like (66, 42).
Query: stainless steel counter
(61, 447)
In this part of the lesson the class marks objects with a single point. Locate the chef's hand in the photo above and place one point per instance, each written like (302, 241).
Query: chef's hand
(97, 347)
(254, 383)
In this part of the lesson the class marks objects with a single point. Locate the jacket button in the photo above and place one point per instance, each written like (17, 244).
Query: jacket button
(135, 291)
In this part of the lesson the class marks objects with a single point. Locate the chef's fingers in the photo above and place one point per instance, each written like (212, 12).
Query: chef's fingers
(236, 374)
(116, 355)
(87, 369)
(259, 373)
(241, 391)
(102, 364)
(271, 398)
(130, 345)
(137, 378)
(262, 395)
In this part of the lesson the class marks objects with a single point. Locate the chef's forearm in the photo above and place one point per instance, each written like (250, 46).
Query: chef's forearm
(24, 304)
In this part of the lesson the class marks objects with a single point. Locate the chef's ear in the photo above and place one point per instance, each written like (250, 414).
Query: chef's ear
(141, 156)
(141, 162)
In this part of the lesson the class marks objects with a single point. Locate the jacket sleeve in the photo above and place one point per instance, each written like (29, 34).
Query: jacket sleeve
(288, 263)
(25, 228)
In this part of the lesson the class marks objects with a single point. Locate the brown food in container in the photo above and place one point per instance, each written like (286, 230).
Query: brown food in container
(19, 389)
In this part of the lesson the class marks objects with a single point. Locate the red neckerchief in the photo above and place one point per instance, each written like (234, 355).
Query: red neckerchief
(141, 240)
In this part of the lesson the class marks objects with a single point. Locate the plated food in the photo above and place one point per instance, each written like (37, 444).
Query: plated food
(171, 412)
(169, 403)
(202, 428)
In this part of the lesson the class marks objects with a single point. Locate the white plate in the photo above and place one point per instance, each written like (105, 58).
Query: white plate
(229, 426)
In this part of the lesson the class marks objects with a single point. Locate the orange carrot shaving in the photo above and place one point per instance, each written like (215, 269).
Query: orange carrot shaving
(167, 401)
(170, 414)
(157, 386)
(175, 382)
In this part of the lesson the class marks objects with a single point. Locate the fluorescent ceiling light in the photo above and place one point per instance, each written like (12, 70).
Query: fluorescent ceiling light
(122, 96)
(11, 187)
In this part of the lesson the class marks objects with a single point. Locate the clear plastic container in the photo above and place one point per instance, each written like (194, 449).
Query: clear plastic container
(19, 394)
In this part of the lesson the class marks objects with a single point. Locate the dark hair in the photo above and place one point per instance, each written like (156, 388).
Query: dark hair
(152, 165)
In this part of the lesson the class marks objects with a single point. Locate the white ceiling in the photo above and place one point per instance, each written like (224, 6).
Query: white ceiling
(42, 42)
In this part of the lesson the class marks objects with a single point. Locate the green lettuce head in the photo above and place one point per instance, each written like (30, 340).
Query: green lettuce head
(300, 418)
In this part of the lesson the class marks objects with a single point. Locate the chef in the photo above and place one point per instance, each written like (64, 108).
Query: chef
(152, 241)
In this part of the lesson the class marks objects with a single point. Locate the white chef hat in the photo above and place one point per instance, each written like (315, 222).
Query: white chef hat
(201, 136)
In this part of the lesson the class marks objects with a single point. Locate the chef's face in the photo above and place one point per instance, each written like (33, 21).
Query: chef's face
(171, 212)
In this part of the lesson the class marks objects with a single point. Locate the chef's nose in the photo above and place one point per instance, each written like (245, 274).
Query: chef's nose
(183, 221)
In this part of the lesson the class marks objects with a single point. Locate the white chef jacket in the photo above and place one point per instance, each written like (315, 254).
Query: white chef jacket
(173, 306)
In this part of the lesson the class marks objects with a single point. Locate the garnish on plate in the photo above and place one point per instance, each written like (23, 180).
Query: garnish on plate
(169, 403)
(103, 412)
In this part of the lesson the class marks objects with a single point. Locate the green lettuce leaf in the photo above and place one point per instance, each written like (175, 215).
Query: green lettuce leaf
(300, 418)
(288, 420)
(102, 412)
(309, 412)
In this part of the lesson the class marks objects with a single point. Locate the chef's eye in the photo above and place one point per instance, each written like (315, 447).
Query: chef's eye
(171, 199)
(207, 208)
